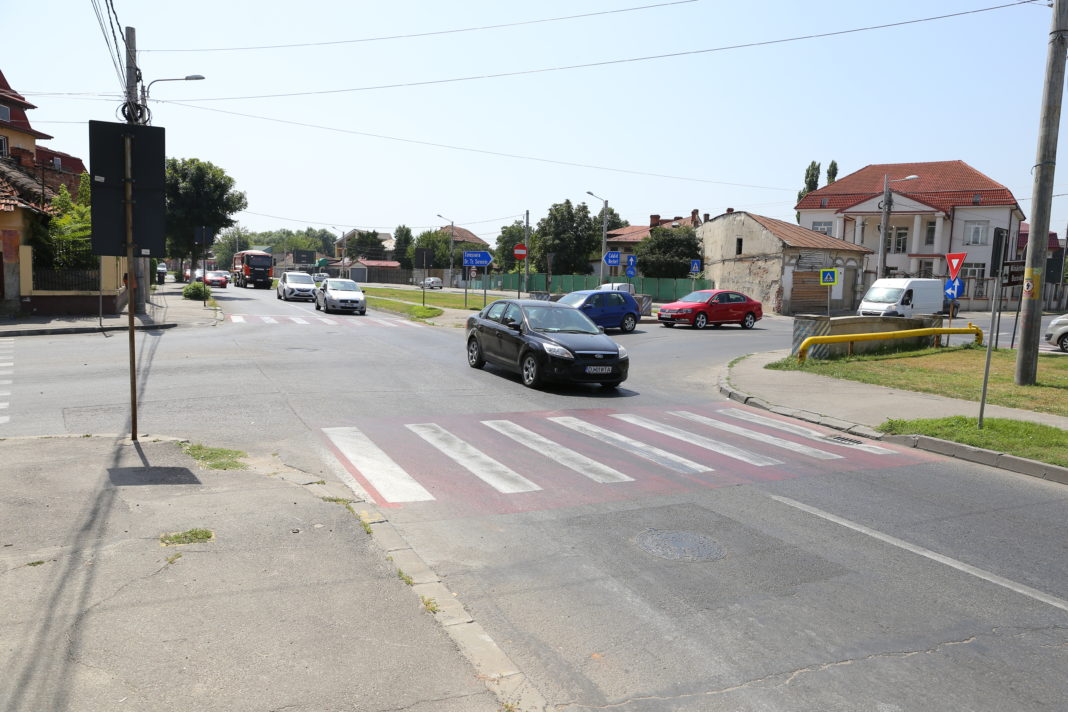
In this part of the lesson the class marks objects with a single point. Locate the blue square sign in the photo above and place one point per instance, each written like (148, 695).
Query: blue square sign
(828, 277)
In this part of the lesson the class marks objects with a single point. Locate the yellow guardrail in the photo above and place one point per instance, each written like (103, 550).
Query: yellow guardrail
(802, 351)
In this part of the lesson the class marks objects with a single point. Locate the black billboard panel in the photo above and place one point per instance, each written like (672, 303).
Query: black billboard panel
(107, 171)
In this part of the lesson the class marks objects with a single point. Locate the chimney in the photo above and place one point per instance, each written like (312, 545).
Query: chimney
(695, 219)
(654, 221)
(730, 210)
(706, 217)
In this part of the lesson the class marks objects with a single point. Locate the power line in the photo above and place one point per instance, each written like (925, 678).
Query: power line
(112, 51)
(378, 227)
(609, 62)
(426, 34)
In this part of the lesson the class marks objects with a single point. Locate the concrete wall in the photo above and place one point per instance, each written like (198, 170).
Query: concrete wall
(810, 325)
(757, 271)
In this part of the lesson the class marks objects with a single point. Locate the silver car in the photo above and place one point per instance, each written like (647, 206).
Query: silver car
(340, 294)
(295, 285)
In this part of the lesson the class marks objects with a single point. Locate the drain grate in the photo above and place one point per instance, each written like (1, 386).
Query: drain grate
(679, 545)
(843, 439)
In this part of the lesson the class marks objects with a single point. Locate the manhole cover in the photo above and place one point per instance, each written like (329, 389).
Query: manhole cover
(841, 439)
(679, 545)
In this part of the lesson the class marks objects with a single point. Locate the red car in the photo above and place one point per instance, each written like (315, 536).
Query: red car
(217, 279)
(712, 306)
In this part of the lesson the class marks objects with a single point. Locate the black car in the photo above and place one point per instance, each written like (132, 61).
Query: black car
(544, 341)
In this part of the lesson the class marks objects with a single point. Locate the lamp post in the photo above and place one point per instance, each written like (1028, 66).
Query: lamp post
(888, 204)
(452, 241)
(145, 89)
(344, 244)
(604, 232)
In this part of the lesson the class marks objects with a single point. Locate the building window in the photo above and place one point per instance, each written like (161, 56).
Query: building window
(824, 226)
(926, 269)
(738, 246)
(974, 273)
(57, 163)
(897, 239)
(975, 232)
(823, 202)
(5, 113)
(3, 146)
(928, 239)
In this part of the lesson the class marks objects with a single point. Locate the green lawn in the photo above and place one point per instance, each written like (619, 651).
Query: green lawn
(434, 297)
(1016, 437)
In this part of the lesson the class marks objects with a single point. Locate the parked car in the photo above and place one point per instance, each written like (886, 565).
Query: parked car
(217, 278)
(618, 287)
(431, 283)
(544, 341)
(320, 276)
(610, 309)
(295, 285)
(712, 306)
(1057, 332)
(903, 296)
(340, 294)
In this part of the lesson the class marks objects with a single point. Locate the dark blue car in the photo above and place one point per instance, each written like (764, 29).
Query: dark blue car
(612, 310)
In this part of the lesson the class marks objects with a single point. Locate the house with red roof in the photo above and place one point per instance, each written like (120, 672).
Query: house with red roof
(778, 263)
(937, 207)
(626, 239)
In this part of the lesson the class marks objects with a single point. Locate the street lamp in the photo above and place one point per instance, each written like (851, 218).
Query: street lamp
(604, 231)
(452, 240)
(145, 89)
(888, 203)
(344, 244)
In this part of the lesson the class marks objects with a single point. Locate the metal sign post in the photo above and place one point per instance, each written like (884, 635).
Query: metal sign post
(829, 277)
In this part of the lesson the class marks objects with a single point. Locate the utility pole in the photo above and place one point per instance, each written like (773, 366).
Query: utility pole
(1041, 196)
(131, 273)
(526, 241)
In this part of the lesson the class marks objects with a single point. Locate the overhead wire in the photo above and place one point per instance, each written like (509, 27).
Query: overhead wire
(378, 227)
(112, 51)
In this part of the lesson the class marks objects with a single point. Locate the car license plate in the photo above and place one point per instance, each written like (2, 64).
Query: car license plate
(598, 369)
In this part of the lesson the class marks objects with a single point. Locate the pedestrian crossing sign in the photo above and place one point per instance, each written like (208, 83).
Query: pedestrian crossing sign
(828, 277)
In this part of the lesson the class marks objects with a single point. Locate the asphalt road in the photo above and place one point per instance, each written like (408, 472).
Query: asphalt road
(632, 549)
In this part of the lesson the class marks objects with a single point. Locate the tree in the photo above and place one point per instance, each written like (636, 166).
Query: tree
(64, 243)
(437, 241)
(568, 233)
(667, 252)
(402, 240)
(504, 253)
(812, 181)
(228, 242)
(366, 244)
(832, 172)
(198, 193)
(614, 221)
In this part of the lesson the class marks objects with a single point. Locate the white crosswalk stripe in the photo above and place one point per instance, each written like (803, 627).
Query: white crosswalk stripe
(383, 322)
(298, 320)
(716, 446)
(567, 457)
(799, 430)
(766, 439)
(328, 322)
(649, 452)
(496, 474)
(269, 320)
(237, 318)
(389, 478)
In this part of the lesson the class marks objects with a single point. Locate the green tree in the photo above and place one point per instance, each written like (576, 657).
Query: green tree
(437, 241)
(198, 193)
(402, 240)
(228, 242)
(832, 172)
(504, 253)
(62, 241)
(568, 233)
(667, 252)
(366, 244)
(614, 221)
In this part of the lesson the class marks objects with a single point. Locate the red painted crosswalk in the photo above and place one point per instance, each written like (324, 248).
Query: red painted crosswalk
(350, 320)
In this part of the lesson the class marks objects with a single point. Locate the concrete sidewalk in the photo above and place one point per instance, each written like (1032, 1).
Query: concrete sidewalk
(290, 605)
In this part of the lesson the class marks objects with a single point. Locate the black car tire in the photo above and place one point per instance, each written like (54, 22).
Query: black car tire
(317, 307)
(717, 325)
(629, 322)
(700, 320)
(1063, 342)
(667, 324)
(610, 385)
(363, 312)
(277, 295)
(530, 371)
(474, 354)
(749, 321)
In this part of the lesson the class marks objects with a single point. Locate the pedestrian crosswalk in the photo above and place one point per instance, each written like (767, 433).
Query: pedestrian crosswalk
(351, 320)
(532, 460)
(7, 371)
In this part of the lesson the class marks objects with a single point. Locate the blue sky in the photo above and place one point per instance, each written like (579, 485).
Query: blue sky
(733, 128)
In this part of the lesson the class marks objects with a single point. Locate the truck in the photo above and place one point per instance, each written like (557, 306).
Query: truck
(903, 296)
(253, 268)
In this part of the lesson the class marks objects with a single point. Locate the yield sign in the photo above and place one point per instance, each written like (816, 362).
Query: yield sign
(955, 260)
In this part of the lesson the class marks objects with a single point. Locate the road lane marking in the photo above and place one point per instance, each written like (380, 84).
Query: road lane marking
(927, 553)
(7, 365)
(567, 457)
(4, 419)
(324, 320)
(800, 430)
(412, 324)
(385, 475)
(269, 320)
(298, 320)
(761, 437)
(649, 452)
(383, 322)
(715, 446)
(237, 318)
(496, 474)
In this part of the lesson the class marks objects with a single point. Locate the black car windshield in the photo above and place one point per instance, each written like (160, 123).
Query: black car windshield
(555, 319)
(696, 297)
(342, 285)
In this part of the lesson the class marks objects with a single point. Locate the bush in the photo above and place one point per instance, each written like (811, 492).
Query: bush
(196, 290)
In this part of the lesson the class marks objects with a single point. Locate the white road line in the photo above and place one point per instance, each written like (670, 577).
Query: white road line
(761, 437)
(298, 320)
(237, 318)
(4, 419)
(383, 322)
(3, 405)
(5, 383)
(927, 553)
(269, 320)
(497, 475)
(7, 365)
(389, 478)
(649, 452)
(324, 320)
(412, 324)
(7, 373)
(799, 430)
(715, 446)
(567, 457)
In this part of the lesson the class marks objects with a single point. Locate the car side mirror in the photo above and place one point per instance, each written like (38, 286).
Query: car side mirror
(515, 325)
(600, 329)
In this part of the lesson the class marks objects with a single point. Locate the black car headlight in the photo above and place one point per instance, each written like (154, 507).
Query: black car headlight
(558, 351)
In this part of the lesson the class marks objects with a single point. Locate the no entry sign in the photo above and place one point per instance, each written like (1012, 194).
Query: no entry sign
(520, 251)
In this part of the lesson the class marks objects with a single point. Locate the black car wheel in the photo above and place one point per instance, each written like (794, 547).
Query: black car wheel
(1063, 342)
(629, 322)
(611, 385)
(748, 321)
(317, 307)
(700, 320)
(667, 324)
(277, 295)
(474, 354)
(531, 371)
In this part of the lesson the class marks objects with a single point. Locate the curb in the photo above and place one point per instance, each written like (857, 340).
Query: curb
(992, 458)
(83, 329)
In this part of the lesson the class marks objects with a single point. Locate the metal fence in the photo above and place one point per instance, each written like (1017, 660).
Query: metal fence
(661, 290)
(71, 280)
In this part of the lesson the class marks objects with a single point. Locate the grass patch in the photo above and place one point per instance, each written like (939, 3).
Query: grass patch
(174, 557)
(215, 458)
(956, 372)
(35, 563)
(189, 536)
(414, 311)
(337, 500)
(1033, 441)
(437, 298)
(405, 577)
(429, 604)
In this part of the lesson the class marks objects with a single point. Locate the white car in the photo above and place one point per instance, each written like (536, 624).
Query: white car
(295, 285)
(320, 276)
(432, 283)
(1057, 332)
(617, 287)
(340, 294)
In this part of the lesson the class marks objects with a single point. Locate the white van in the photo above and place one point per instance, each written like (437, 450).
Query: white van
(902, 296)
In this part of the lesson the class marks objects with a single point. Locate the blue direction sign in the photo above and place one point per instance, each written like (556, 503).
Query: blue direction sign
(954, 287)
(631, 272)
(695, 266)
(477, 258)
(632, 261)
(611, 258)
